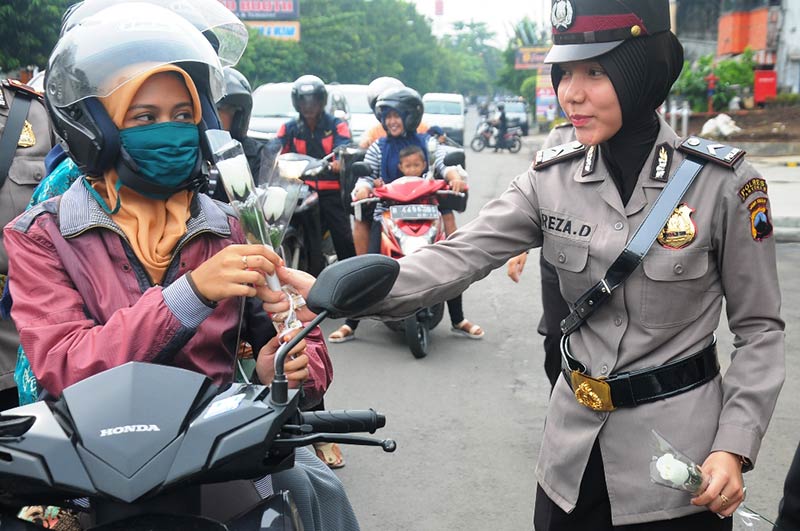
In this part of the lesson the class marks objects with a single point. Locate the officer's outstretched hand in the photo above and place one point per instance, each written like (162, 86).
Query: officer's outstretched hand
(725, 490)
(276, 302)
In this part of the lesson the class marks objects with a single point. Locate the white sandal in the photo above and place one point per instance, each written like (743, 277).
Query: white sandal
(343, 334)
(467, 329)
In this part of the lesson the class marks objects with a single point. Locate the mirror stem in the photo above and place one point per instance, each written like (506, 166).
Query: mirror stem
(279, 390)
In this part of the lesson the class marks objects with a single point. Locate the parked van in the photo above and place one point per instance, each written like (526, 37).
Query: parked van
(446, 110)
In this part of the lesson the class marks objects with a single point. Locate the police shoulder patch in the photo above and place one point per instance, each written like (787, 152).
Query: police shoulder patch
(549, 156)
(711, 150)
(20, 87)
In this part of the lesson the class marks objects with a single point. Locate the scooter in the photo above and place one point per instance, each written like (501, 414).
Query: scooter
(485, 137)
(138, 446)
(411, 221)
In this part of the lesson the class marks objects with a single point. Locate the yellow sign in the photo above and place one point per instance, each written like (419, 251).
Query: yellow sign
(288, 30)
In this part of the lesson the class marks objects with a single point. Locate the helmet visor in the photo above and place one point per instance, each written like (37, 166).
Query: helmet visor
(113, 46)
(228, 32)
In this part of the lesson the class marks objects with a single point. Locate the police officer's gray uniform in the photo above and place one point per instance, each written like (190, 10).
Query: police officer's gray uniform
(668, 309)
(25, 172)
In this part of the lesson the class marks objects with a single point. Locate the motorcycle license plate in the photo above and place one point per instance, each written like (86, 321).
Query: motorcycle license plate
(414, 212)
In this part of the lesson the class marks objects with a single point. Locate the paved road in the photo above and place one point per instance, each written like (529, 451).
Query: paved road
(468, 419)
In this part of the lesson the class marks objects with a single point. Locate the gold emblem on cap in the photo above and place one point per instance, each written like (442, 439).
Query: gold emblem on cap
(27, 138)
(680, 230)
(636, 31)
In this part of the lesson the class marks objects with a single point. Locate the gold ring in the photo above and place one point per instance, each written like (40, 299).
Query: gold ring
(244, 261)
(724, 499)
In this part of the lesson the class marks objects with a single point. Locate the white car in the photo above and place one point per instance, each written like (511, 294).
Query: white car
(447, 111)
(360, 119)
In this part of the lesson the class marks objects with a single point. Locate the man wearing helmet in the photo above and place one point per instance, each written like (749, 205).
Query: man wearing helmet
(501, 123)
(316, 133)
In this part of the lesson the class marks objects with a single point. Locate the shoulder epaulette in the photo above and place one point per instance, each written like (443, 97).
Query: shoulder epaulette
(19, 86)
(711, 150)
(549, 156)
(24, 222)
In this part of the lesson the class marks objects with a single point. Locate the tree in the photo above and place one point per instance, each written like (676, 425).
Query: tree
(28, 30)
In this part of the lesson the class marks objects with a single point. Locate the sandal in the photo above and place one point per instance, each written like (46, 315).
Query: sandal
(330, 454)
(467, 329)
(343, 334)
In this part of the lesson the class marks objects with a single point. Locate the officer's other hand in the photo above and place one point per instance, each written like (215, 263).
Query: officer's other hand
(295, 367)
(516, 266)
(725, 490)
(278, 301)
(235, 271)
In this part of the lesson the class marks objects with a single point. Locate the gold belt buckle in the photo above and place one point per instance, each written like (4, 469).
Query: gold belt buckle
(592, 392)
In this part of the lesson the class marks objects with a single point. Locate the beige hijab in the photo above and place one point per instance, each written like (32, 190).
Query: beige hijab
(153, 226)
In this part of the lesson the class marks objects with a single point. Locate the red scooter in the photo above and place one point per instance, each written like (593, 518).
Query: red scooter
(412, 220)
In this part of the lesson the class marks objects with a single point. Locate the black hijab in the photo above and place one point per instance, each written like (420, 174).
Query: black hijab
(642, 71)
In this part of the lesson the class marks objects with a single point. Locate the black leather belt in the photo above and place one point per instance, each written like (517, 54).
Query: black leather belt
(629, 389)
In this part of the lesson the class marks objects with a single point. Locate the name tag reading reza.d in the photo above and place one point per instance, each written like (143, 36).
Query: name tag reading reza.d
(409, 212)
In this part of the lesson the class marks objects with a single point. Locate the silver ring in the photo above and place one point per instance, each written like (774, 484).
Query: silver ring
(244, 261)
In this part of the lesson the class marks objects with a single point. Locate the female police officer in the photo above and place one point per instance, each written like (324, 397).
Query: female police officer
(645, 358)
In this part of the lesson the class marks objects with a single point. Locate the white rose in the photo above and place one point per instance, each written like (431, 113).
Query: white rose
(274, 203)
(672, 469)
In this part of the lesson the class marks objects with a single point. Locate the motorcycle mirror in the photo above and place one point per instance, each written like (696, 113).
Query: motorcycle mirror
(361, 169)
(347, 287)
(454, 158)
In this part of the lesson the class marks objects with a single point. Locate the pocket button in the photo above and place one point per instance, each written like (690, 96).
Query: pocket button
(678, 269)
(619, 225)
(562, 258)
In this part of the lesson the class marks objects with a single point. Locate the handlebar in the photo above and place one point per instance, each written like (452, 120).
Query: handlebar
(344, 421)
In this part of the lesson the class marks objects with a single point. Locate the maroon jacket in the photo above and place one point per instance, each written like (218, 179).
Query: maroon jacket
(83, 302)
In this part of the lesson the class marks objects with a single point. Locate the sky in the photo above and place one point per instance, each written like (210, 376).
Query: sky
(498, 14)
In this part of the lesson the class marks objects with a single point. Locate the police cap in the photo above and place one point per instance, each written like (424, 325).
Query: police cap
(583, 29)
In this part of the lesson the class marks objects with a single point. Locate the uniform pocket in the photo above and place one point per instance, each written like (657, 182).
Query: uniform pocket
(674, 285)
(571, 259)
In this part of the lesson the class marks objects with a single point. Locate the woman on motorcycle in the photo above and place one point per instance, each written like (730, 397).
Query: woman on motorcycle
(132, 263)
(400, 112)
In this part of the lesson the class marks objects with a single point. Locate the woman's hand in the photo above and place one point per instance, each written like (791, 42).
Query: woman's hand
(278, 301)
(516, 265)
(361, 193)
(295, 367)
(725, 489)
(235, 271)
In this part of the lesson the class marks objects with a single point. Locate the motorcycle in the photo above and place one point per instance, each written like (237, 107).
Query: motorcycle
(485, 137)
(412, 220)
(301, 247)
(138, 447)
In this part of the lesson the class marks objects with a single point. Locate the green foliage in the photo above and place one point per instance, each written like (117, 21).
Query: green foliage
(528, 90)
(28, 31)
(734, 75)
(786, 99)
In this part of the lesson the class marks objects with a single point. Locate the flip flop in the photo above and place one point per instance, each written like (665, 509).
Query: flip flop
(330, 454)
(342, 335)
(467, 329)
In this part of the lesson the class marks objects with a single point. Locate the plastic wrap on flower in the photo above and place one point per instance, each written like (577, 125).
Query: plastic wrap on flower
(671, 468)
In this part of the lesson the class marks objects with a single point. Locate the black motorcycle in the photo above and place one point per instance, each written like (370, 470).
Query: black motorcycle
(138, 446)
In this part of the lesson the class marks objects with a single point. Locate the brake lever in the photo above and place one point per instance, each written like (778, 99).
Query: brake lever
(388, 445)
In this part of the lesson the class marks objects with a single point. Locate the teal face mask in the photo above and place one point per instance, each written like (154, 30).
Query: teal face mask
(166, 152)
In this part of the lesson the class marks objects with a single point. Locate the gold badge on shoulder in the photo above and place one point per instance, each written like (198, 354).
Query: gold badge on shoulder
(27, 138)
(680, 229)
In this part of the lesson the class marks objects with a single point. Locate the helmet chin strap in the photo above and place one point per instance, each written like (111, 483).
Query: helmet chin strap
(128, 173)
